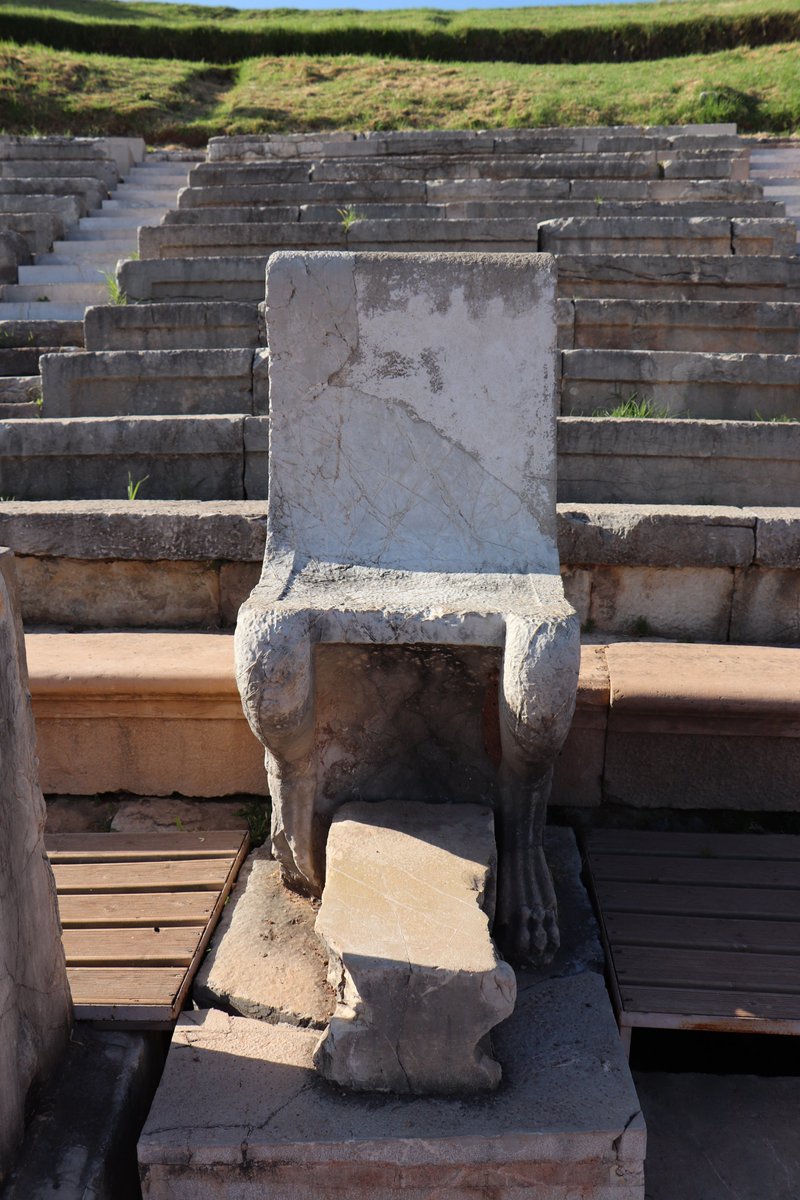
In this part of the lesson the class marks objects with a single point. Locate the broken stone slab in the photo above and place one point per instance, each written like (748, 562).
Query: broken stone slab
(240, 1109)
(214, 325)
(82, 1145)
(266, 960)
(35, 1005)
(105, 383)
(408, 898)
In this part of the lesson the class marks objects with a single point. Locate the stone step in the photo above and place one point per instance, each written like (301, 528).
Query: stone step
(175, 326)
(40, 333)
(160, 713)
(88, 270)
(713, 326)
(717, 236)
(706, 573)
(102, 253)
(105, 225)
(148, 214)
(38, 229)
(107, 383)
(614, 276)
(87, 193)
(65, 207)
(58, 294)
(346, 191)
(183, 457)
(41, 313)
(677, 461)
(104, 171)
(731, 387)
(139, 197)
(529, 210)
(20, 360)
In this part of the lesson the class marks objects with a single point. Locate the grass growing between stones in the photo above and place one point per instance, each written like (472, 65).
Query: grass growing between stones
(49, 91)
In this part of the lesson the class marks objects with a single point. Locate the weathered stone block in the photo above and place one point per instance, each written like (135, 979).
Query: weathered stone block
(636, 235)
(265, 960)
(684, 603)
(566, 1123)
(679, 277)
(409, 893)
(211, 326)
(35, 1009)
(707, 326)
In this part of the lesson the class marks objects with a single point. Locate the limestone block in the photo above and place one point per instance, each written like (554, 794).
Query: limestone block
(602, 460)
(38, 230)
(578, 775)
(753, 236)
(103, 170)
(777, 537)
(682, 603)
(35, 1008)
(566, 1123)
(344, 193)
(636, 235)
(225, 278)
(718, 386)
(237, 214)
(766, 606)
(14, 250)
(446, 191)
(211, 326)
(655, 535)
(211, 174)
(90, 193)
(46, 334)
(265, 959)
(149, 530)
(236, 582)
(405, 919)
(705, 326)
(104, 594)
(91, 457)
(675, 277)
(106, 383)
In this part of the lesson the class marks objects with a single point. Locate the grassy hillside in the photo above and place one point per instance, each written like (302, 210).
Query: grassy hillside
(49, 91)
(594, 33)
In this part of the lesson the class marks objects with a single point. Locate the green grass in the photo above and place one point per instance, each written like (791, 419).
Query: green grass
(587, 33)
(634, 408)
(47, 91)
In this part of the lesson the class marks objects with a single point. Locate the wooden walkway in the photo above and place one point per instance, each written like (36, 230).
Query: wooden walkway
(702, 931)
(137, 912)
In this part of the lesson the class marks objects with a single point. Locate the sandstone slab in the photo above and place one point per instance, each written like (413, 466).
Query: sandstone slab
(405, 914)
(240, 1109)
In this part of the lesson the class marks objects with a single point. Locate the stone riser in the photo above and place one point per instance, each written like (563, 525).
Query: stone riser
(707, 743)
(708, 574)
(601, 460)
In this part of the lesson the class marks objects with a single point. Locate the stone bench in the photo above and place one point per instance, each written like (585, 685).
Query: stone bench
(227, 277)
(683, 461)
(668, 235)
(193, 457)
(672, 277)
(64, 207)
(107, 383)
(88, 193)
(178, 326)
(707, 573)
(712, 326)
(38, 229)
(731, 387)
(101, 170)
(725, 714)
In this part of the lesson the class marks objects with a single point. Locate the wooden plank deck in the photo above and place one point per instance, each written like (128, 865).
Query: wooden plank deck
(137, 912)
(702, 931)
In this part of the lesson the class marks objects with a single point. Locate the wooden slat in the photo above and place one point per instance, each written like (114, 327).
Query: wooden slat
(745, 846)
(727, 970)
(207, 874)
(704, 1006)
(720, 933)
(169, 947)
(105, 911)
(748, 903)
(709, 872)
(108, 993)
(132, 847)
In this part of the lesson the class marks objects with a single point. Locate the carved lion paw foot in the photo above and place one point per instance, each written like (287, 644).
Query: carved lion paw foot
(526, 926)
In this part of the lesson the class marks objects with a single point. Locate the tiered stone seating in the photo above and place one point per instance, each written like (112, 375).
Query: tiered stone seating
(702, 322)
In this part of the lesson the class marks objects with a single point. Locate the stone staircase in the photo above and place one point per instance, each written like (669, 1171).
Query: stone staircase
(664, 531)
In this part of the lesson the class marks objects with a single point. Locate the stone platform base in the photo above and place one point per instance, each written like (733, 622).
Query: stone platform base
(240, 1114)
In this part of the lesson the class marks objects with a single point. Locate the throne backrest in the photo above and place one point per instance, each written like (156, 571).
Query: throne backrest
(412, 410)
